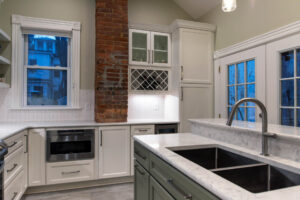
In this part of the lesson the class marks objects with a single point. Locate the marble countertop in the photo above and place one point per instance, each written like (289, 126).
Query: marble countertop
(7, 129)
(256, 127)
(161, 145)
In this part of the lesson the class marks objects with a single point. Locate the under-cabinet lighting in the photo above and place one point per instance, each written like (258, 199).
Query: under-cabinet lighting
(228, 5)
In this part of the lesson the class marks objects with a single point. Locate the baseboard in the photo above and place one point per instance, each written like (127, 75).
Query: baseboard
(78, 185)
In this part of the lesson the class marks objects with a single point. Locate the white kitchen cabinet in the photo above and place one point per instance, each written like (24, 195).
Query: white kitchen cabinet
(138, 130)
(114, 151)
(192, 76)
(37, 157)
(71, 171)
(149, 48)
(196, 102)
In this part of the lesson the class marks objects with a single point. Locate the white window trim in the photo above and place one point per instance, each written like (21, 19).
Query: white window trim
(21, 24)
(221, 79)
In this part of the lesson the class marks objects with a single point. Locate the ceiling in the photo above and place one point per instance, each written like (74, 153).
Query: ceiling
(197, 8)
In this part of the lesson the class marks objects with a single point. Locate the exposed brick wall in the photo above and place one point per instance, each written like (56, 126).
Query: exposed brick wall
(111, 81)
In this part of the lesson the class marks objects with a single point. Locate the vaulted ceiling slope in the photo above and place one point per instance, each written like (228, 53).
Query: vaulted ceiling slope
(197, 8)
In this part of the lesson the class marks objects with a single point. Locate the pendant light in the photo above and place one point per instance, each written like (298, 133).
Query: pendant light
(228, 5)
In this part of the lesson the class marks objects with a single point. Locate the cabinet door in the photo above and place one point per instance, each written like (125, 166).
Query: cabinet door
(160, 49)
(141, 183)
(196, 53)
(139, 47)
(37, 157)
(114, 152)
(196, 102)
(157, 192)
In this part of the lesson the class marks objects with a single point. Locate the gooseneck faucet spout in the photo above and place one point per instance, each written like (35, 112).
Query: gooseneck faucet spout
(264, 115)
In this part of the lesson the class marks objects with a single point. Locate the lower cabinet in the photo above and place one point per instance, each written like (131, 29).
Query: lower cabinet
(141, 179)
(165, 181)
(157, 192)
(114, 151)
(15, 190)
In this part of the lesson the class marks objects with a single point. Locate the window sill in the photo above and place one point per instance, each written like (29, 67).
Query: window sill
(45, 108)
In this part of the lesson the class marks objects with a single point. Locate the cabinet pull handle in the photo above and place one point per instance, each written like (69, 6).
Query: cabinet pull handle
(149, 52)
(179, 190)
(12, 169)
(14, 196)
(139, 171)
(143, 130)
(181, 96)
(74, 172)
(26, 149)
(13, 144)
(139, 155)
(182, 73)
(152, 56)
(101, 138)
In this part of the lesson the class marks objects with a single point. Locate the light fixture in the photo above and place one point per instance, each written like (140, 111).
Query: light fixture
(228, 5)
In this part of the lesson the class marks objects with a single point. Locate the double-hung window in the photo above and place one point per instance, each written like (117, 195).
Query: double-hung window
(46, 70)
(290, 88)
(45, 63)
(241, 84)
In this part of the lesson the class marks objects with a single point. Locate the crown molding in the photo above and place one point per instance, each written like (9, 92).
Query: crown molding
(262, 39)
(48, 24)
(180, 23)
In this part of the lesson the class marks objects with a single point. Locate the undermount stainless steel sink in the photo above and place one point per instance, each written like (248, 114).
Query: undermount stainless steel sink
(249, 174)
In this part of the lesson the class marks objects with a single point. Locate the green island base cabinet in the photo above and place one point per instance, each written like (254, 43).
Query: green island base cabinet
(157, 180)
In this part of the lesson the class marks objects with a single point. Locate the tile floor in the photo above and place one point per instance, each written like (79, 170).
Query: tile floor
(115, 192)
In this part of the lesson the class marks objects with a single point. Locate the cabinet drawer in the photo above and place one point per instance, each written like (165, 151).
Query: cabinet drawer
(14, 163)
(14, 142)
(15, 189)
(65, 172)
(141, 154)
(177, 184)
(142, 130)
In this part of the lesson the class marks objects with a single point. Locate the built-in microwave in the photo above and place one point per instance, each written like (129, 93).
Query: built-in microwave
(69, 145)
(166, 128)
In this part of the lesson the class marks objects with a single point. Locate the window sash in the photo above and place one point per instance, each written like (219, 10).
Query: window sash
(58, 68)
(236, 84)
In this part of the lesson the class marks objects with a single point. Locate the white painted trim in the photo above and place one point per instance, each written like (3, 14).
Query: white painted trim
(179, 23)
(265, 38)
(20, 23)
(150, 27)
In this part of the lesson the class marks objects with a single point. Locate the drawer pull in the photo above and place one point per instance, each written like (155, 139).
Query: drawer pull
(74, 172)
(139, 155)
(12, 169)
(179, 190)
(139, 171)
(143, 130)
(14, 196)
(13, 144)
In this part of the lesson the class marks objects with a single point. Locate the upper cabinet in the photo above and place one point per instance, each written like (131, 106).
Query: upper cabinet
(149, 48)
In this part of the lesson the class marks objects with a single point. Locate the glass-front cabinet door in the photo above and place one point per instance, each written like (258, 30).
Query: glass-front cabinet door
(149, 48)
(139, 47)
(160, 43)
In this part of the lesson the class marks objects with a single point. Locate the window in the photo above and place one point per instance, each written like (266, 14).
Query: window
(290, 88)
(46, 69)
(241, 84)
(45, 63)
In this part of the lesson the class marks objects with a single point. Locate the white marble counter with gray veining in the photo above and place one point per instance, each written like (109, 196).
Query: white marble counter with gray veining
(8, 129)
(224, 189)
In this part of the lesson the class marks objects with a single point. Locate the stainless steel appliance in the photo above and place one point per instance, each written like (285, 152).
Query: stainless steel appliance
(166, 128)
(3, 152)
(67, 145)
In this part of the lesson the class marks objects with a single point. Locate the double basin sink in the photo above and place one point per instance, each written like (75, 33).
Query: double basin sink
(249, 174)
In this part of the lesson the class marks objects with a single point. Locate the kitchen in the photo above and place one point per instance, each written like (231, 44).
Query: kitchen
(159, 99)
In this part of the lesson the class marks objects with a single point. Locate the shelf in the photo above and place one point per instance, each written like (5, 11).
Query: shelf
(4, 36)
(4, 85)
(4, 61)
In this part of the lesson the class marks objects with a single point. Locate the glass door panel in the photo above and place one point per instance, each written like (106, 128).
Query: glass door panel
(160, 51)
(139, 47)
